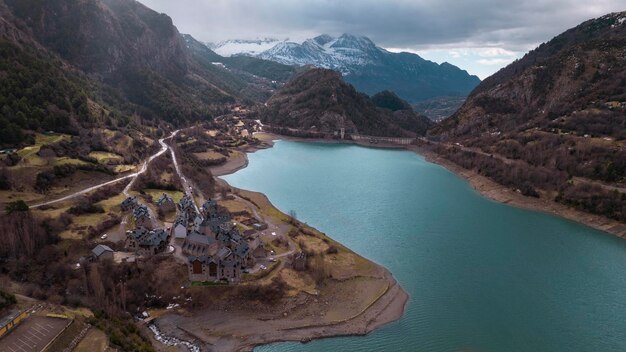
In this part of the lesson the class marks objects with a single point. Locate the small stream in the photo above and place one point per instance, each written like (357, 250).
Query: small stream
(172, 341)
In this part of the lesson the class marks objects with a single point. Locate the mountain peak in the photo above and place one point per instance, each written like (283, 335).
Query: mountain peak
(323, 39)
(372, 69)
(351, 41)
(296, 106)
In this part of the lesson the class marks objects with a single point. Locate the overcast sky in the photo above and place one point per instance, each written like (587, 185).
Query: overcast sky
(479, 36)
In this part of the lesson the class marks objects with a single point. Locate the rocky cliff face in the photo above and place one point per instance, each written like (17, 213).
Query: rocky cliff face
(319, 100)
(133, 55)
(105, 36)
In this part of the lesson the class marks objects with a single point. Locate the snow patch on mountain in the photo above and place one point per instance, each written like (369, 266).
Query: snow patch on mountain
(344, 54)
(246, 47)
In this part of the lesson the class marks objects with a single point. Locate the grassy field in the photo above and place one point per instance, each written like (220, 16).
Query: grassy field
(120, 169)
(67, 161)
(9, 196)
(94, 341)
(262, 136)
(312, 243)
(106, 158)
(209, 155)
(298, 282)
(81, 222)
(263, 204)
(29, 154)
(157, 193)
(234, 206)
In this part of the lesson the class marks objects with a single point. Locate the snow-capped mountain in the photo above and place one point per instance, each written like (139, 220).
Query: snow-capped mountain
(246, 47)
(372, 69)
(345, 54)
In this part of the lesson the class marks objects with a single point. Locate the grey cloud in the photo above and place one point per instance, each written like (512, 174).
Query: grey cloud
(513, 25)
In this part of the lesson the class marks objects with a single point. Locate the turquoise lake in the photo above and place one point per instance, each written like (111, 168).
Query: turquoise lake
(482, 276)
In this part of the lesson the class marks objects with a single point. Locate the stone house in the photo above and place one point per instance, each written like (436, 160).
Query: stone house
(166, 204)
(224, 265)
(102, 252)
(257, 248)
(300, 261)
(141, 216)
(198, 245)
(146, 242)
(187, 207)
(179, 229)
(219, 252)
(129, 204)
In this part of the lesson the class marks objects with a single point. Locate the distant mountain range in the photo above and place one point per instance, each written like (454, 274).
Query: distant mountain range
(369, 68)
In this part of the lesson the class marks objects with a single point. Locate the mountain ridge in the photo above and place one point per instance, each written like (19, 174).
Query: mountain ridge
(319, 101)
(553, 123)
(372, 69)
(114, 61)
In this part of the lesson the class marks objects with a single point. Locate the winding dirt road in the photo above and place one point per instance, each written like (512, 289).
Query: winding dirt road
(133, 176)
(187, 187)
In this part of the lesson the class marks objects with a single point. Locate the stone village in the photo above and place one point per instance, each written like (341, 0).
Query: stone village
(207, 239)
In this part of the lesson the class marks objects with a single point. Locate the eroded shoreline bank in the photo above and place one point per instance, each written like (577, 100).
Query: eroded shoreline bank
(303, 317)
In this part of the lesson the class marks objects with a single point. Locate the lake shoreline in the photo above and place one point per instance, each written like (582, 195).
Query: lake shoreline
(489, 188)
(387, 306)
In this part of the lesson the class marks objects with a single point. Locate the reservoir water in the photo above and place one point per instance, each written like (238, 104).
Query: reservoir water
(482, 276)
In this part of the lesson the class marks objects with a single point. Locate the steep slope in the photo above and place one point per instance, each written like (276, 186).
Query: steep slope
(41, 92)
(134, 50)
(555, 120)
(372, 69)
(318, 100)
(264, 68)
(253, 78)
(574, 72)
(402, 112)
(439, 108)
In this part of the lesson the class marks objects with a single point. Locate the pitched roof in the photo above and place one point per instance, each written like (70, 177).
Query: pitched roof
(137, 233)
(100, 249)
(141, 211)
(164, 198)
(182, 220)
(129, 201)
(242, 249)
(153, 238)
(223, 253)
(199, 239)
(203, 259)
(185, 203)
